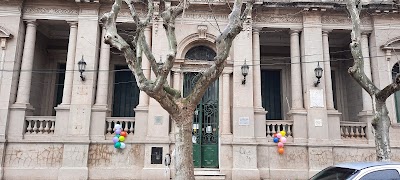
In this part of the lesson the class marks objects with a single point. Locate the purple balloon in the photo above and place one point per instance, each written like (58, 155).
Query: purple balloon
(118, 131)
(115, 139)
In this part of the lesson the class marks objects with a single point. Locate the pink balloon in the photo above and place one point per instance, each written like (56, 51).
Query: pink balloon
(279, 135)
(280, 144)
(283, 140)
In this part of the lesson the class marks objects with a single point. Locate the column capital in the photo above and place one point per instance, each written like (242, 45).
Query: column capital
(325, 32)
(294, 31)
(73, 24)
(366, 33)
(31, 22)
(256, 29)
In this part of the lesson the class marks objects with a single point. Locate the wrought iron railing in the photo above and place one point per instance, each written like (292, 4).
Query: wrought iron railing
(40, 124)
(127, 123)
(353, 130)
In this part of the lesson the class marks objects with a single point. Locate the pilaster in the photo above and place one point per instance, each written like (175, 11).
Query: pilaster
(314, 96)
(75, 153)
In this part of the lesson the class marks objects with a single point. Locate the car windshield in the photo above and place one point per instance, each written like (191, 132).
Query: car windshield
(334, 173)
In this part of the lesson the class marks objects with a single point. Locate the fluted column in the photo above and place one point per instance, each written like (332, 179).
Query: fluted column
(104, 72)
(143, 97)
(256, 69)
(69, 69)
(25, 77)
(367, 101)
(226, 123)
(327, 72)
(297, 96)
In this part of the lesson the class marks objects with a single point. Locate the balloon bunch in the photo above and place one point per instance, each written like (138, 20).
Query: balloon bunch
(119, 137)
(280, 139)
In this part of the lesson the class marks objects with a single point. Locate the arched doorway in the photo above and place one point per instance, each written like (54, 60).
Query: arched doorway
(205, 121)
(395, 71)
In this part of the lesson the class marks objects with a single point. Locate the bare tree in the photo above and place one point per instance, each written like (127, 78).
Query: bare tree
(180, 108)
(381, 122)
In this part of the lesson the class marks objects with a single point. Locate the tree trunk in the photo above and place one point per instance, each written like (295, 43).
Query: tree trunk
(381, 124)
(184, 148)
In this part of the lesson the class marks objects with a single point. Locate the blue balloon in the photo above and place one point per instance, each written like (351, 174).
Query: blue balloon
(276, 140)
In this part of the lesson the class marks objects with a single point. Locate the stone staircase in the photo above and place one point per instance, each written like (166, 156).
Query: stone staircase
(208, 173)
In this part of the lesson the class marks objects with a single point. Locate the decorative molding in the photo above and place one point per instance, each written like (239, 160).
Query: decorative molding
(343, 20)
(202, 30)
(205, 16)
(4, 33)
(277, 19)
(49, 10)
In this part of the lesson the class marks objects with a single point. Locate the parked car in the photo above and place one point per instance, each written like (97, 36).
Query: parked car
(360, 171)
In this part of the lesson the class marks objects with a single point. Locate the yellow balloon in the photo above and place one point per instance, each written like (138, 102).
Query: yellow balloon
(121, 138)
(283, 133)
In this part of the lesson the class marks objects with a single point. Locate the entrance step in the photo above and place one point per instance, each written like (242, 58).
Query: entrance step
(208, 173)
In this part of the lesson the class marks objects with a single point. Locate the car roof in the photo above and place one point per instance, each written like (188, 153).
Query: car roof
(363, 165)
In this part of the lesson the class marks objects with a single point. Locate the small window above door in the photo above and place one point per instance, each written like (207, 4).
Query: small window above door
(200, 53)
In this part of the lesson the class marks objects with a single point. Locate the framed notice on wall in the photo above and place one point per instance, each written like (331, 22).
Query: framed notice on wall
(316, 98)
(244, 121)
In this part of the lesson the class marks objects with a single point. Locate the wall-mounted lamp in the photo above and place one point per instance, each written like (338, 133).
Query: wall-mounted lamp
(82, 68)
(245, 71)
(318, 73)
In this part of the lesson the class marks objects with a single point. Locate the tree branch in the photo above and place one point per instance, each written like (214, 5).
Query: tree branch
(389, 89)
(357, 70)
(223, 44)
(169, 17)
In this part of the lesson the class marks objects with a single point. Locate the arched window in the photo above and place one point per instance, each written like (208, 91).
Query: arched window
(200, 53)
(395, 71)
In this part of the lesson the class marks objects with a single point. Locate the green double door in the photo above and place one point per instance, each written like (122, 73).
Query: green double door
(205, 124)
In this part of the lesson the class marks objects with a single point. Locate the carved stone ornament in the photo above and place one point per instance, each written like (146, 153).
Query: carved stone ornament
(277, 19)
(204, 16)
(202, 30)
(48, 10)
(336, 20)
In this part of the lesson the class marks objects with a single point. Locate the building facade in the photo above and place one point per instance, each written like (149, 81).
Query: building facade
(56, 123)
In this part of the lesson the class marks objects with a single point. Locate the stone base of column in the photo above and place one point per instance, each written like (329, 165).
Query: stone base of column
(67, 173)
(334, 126)
(368, 116)
(62, 118)
(260, 129)
(98, 122)
(299, 118)
(245, 162)
(141, 118)
(156, 171)
(18, 112)
(75, 158)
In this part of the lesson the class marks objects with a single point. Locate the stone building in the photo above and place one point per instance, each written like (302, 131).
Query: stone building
(56, 125)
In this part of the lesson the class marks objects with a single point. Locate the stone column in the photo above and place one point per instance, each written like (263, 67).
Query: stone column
(144, 98)
(142, 110)
(69, 70)
(100, 108)
(25, 77)
(21, 108)
(226, 123)
(333, 115)
(104, 72)
(327, 72)
(367, 101)
(176, 85)
(295, 67)
(62, 110)
(297, 112)
(259, 111)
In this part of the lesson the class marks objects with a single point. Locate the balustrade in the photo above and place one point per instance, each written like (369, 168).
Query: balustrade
(127, 123)
(40, 124)
(353, 130)
(278, 126)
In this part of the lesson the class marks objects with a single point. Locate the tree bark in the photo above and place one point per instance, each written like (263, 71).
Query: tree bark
(381, 125)
(184, 169)
(381, 122)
